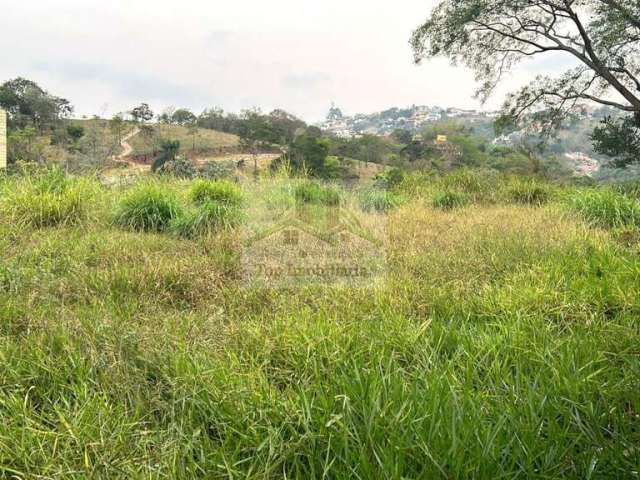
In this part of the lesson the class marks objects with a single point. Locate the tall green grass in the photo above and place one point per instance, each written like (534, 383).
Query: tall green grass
(220, 191)
(378, 200)
(449, 200)
(605, 208)
(148, 207)
(207, 218)
(47, 198)
(317, 194)
(529, 192)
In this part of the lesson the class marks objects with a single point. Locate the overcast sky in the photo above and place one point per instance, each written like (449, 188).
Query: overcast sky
(300, 55)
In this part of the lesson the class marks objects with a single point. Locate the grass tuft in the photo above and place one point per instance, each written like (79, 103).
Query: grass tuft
(47, 199)
(529, 192)
(379, 200)
(316, 194)
(220, 191)
(149, 207)
(449, 200)
(208, 218)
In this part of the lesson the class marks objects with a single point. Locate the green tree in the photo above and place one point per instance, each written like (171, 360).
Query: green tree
(75, 132)
(24, 144)
(194, 133)
(168, 152)
(165, 116)
(116, 125)
(183, 117)
(492, 36)
(29, 104)
(285, 126)
(310, 153)
(618, 138)
(402, 136)
(142, 113)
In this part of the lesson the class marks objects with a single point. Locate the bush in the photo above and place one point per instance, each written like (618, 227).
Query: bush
(209, 217)
(379, 200)
(222, 192)
(180, 167)
(148, 207)
(390, 179)
(217, 170)
(316, 194)
(606, 208)
(449, 200)
(48, 198)
(529, 193)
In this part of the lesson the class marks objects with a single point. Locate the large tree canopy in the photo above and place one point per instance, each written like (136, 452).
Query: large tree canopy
(29, 104)
(492, 36)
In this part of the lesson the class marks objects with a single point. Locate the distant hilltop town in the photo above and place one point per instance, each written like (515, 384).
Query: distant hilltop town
(385, 122)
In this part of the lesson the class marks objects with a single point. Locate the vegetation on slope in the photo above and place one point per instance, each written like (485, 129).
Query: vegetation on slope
(194, 140)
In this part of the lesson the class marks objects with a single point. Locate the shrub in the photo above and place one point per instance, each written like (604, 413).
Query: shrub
(379, 200)
(148, 207)
(180, 167)
(390, 179)
(529, 192)
(606, 208)
(209, 217)
(316, 194)
(448, 200)
(217, 170)
(221, 191)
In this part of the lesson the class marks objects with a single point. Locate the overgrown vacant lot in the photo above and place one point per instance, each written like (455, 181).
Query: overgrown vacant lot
(504, 342)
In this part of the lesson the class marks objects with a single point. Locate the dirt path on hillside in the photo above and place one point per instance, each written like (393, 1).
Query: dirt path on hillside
(127, 149)
(126, 170)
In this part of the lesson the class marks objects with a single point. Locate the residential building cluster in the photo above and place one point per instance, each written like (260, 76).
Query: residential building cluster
(383, 123)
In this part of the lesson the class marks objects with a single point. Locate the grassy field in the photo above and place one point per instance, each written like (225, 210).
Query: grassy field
(204, 140)
(504, 341)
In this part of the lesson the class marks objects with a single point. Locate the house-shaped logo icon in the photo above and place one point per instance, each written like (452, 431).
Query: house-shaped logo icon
(313, 244)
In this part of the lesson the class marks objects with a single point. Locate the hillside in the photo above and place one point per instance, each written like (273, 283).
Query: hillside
(198, 141)
(498, 340)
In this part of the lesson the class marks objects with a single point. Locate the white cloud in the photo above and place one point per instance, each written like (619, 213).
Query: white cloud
(295, 54)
